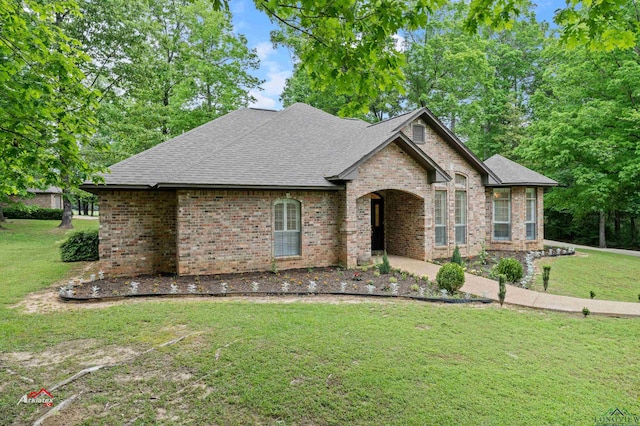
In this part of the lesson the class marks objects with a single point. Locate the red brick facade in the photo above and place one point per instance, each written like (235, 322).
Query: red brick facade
(196, 232)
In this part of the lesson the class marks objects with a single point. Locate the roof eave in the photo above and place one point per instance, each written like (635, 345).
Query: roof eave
(332, 187)
(506, 184)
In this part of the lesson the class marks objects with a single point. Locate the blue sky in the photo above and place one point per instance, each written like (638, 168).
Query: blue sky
(276, 64)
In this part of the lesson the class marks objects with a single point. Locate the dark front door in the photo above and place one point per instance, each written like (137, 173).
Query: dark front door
(377, 224)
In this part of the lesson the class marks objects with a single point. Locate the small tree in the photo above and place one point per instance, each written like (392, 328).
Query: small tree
(586, 311)
(450, 277)
(385, 266)
(456, 258)
(546, 271)
(502, 291)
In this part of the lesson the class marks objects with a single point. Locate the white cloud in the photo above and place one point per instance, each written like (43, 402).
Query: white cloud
(275, 80)
(400, 45)
(262, 101)
(264, 49)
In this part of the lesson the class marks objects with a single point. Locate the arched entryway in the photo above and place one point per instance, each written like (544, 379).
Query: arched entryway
(391, 220)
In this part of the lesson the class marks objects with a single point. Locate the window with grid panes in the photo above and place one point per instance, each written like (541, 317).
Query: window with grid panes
(286, 228)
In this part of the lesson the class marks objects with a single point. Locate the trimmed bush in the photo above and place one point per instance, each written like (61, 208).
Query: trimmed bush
(32, 213)
(385, 266)
(456, 258)
(546, 272)
(502, 289)
(450, 277)
(510, 268)
(80, 246)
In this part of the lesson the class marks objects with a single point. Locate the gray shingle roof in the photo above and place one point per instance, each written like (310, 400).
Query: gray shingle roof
(298, 147)
(512, 173)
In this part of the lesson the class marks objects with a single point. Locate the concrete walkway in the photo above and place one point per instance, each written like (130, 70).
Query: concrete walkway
(608, 250)
(485, 287)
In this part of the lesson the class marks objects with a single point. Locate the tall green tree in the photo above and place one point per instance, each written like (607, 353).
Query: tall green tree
(586, 131)
(46, 110)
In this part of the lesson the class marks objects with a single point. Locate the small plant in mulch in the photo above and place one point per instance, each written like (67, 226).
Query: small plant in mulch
(450, 277)
(174, 288)
(421, 291)
(223, 288)
(456, 258)
(343, 287)
(385, 266)
(592, 294)
(313, 286)
(370, 287)
(502, 288)
(274, 266)
(357, 276)
(546, 272)
(255, 286)
(415, 287)
(95, 291)
(586, 312)
(133, 287)
(191, 288)
(285, 286)
(393, 280)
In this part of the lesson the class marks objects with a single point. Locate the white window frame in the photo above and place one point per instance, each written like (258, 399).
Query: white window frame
(444, 215)
(496, 222)
(531, 203)
(460, 211)
(413, 133)
(279, 249)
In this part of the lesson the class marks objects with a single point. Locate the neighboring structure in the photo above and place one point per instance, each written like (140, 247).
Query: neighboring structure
(309, 189)
(50, 198)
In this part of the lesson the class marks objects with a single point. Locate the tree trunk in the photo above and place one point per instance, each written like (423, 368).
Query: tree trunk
(2, 218)
(92, 208)
(634, 231)
(80, 206)
(67, 212)
(601, 232)
(85, 209)
(618, 221)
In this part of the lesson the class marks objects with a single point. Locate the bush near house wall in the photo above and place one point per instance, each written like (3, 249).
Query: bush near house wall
(32, 213)
(80, 246)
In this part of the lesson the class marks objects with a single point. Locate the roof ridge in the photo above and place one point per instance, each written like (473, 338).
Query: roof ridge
(391, 118)
(195, 162)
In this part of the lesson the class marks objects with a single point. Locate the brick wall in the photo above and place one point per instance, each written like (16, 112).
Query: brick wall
(389, 169)
(47, 201)
(404, 224)
(137, 232)
(446, 157)
(232, 231)
(518, 240)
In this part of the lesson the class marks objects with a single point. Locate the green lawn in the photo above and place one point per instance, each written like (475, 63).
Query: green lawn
(611, 276)
(399, 362)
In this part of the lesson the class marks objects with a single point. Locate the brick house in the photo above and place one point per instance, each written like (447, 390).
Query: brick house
(49, 198)
(307, 188)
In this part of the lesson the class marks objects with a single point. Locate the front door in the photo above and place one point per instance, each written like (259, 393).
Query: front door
(377, 224)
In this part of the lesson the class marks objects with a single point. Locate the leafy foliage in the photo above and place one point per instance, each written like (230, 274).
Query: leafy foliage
(26, 212)
(450, 277)
(546, 272)
(385, 266)
(456, 258)
(502, 288)
(510, 268)
(80, 246)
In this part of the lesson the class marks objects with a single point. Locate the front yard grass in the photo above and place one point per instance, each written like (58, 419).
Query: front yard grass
(397, 362)
(610, 276)
(30, 255)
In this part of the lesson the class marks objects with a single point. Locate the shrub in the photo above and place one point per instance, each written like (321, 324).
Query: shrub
(592, 294)
(30, 212)
(546, 271)
(80, 246)
(585, 311)
(510, 268)
(393, 280)
(456, 258)
(450, 277)
(385, 266)
(502, 292)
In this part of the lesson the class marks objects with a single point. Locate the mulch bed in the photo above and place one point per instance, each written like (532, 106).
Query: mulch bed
(330, 280)
(474, 264)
